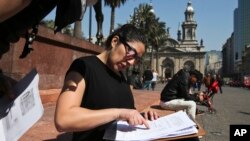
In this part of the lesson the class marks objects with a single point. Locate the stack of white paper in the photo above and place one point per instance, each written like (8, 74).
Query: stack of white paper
(19, 115)
(174, 125)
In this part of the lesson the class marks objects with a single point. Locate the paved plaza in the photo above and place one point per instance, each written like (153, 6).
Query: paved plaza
(232, 108)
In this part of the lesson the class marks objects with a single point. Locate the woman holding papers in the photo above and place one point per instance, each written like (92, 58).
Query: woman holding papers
(95, 91)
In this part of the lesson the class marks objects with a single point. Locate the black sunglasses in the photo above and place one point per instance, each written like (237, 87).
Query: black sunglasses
(131, 49)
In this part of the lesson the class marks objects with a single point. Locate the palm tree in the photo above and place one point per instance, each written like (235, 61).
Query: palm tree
(78, 29)
(113, 4)
(153, 29)
(142, 18)
(158, 37)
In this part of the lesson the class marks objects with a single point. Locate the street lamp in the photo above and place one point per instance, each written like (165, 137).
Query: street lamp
(90, 23)
(90, 3)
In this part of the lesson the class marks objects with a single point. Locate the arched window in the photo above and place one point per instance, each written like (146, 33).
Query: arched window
(189, 65)
(168, 65)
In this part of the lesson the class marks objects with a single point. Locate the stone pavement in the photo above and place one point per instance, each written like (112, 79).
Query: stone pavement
(232, 108)
(44, 129)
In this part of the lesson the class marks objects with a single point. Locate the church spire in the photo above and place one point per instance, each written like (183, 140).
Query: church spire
(179, 32)
(189, 13)
(189, 25)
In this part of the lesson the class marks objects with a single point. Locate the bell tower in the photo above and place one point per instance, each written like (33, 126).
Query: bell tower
(189, 25)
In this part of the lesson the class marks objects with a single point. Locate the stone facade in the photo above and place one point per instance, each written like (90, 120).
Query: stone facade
(185, 51)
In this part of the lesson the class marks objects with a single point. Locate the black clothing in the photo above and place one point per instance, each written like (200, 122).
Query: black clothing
(220, 82)
(104, 89)
(135, 81)
(147, 75)
(178, 87)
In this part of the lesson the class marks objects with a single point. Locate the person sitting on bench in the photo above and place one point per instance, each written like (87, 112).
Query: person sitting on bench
(176, 96)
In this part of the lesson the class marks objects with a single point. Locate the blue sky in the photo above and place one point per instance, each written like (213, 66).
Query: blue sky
(214, 18)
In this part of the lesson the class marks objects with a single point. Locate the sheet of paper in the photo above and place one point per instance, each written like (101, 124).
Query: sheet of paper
(183, 132)
(19, 115)
(173, 125)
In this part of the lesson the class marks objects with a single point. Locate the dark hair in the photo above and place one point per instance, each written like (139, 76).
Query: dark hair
(128, 33)
(197, 74)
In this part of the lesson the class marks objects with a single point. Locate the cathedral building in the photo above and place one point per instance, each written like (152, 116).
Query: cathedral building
(185, 51)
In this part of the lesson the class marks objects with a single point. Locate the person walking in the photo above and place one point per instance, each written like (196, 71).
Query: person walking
(147, 78)
(154, 80)
(220, 82)
(134, 80)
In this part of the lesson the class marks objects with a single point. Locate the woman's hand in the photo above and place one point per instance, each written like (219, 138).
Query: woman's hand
(133, 117)
(150, 115)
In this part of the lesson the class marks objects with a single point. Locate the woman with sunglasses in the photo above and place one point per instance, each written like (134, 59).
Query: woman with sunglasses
(95, 92)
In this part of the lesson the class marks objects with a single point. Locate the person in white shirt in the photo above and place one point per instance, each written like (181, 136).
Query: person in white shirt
(154, 80)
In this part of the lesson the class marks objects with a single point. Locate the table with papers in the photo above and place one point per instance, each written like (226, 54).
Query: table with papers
(179, 125)
(173, 125)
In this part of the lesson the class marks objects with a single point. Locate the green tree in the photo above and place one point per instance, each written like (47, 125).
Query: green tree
(113, 4)
(158, 38)
(153, 28)
(48, 23)
(142, 18)
(51, 23)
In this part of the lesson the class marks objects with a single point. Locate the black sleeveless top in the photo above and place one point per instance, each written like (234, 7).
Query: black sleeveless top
(104, 89)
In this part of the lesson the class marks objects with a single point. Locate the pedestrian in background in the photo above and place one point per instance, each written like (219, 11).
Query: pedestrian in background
(154, 80)
(147, 78)
(220, 82)
(134, 80)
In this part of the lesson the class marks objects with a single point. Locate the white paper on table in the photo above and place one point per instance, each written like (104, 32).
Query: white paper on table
(183, 132)
(172, 125)
(19, 115)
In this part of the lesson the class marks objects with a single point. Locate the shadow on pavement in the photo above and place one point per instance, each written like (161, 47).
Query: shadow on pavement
(245, 113)
(62, 137)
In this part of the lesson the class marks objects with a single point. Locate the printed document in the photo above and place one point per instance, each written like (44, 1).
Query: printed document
(173, 125)
(17, 116)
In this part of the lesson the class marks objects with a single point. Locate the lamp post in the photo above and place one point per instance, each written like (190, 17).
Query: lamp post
(90, 22)
(152, 55)
(90, 3)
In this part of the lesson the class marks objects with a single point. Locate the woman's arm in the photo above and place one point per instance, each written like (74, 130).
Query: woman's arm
(69, 116)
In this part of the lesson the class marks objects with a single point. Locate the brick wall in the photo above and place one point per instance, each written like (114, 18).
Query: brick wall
(52, 55)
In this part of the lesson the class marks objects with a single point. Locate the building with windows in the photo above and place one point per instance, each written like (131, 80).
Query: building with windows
(246, 61)
(241, 33)
(213, 62)
(228, 58)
